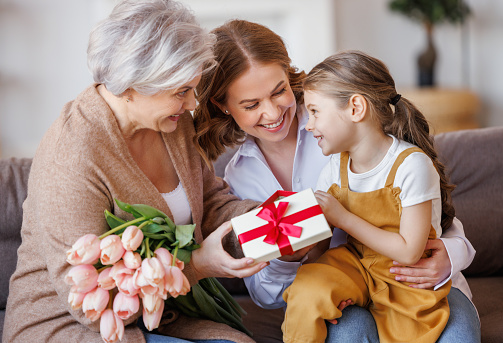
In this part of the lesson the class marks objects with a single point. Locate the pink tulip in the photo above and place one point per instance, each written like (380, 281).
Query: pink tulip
(111, 249)
(75, 300)
(166, 258)
(145, 287)
(151, 302)
(95, 303)
(132, 238)
(152, 319)
(175, 282)
(125, 306)
(83, 278)
(111, 327)
(127, 286)
(86, 250)
(132, 260)
(119, 271)
(105, 280)
(152, 270)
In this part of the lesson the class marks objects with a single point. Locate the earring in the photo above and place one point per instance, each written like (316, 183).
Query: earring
(129, 98)
(226, 112)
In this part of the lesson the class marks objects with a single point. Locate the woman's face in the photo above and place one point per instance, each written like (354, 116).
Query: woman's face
(262, 102)
(161, 111)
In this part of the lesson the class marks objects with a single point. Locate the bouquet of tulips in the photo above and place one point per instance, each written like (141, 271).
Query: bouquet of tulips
(142, 260)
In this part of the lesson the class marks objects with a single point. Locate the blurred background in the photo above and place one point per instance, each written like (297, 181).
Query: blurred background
(43, 55)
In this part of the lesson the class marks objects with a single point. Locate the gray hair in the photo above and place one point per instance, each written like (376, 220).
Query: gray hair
(149, 46)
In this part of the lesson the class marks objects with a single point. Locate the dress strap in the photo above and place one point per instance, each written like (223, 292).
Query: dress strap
(402, 156)
(344, 169)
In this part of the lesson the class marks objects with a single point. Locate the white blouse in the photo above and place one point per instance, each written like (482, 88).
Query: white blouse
(179, 205)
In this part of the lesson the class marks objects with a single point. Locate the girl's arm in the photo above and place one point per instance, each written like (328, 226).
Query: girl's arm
(405, 247)
(450, 254)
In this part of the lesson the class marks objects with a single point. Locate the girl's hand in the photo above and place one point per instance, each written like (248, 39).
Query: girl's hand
(342, 306)
(428, 272)
(332, 209)
(211, 260)
(298, 255)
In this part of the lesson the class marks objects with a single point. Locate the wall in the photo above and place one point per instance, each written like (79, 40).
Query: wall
(469, 56)
(43, 50)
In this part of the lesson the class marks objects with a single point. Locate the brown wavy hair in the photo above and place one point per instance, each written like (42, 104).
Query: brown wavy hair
(239, 43)
(353, 72)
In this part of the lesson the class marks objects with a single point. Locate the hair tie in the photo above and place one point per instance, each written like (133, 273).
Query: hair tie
(394, 100)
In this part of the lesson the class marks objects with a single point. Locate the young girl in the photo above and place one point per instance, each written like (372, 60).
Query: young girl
(386, 189)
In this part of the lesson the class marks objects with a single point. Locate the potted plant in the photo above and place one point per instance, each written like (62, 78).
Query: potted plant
(430, 13)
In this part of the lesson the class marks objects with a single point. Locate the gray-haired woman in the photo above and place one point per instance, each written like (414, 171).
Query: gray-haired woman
(127, 137)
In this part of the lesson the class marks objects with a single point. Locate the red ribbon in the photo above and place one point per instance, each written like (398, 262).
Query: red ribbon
(278, 227)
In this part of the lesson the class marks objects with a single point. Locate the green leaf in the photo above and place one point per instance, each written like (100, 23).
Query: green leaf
(127, 208)
(148, 212)
(184, 234)
(192, 247)
(184, 255)
(154, 228)
(112, 220)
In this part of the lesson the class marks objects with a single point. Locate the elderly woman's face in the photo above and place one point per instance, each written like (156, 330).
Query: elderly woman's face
(262, 102)
(161, 111)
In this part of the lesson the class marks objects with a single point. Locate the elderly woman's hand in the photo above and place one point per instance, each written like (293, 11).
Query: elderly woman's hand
(428, 272)
(211, 260)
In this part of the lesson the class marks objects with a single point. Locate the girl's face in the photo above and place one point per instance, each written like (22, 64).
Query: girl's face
(262, 102)
(161, 111)
(329, 123)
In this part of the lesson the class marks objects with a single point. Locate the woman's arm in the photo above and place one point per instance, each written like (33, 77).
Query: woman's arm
(450, 254)
(406, 246)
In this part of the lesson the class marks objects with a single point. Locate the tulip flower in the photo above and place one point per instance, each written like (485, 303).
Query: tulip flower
(105, 280)
(119, 271)
(125, 306)
(111, 326)
(132, 238)
(95, 302)
(151, 302)
(111, 249)
(145, 286)
(166, 258)
(152, 319)
(132, 260)
(127, 285)
(86, 250)
(83, 278)
(75, 300)
(152, 270)
(175, 282)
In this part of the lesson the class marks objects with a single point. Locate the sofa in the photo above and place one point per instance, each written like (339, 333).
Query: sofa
(475, 164)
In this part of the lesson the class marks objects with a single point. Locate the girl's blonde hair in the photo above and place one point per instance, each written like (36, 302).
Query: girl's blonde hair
(353, 72)
(239, 44)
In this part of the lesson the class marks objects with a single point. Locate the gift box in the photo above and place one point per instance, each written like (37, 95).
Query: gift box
(283, 224)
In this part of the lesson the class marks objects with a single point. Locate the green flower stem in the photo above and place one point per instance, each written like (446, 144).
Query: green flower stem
(144, 223)
(173, 263)
(120, 227)
(147, 243)
(103, 268)
(160, 244)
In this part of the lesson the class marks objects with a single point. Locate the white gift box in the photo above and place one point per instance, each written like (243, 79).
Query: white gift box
(302, 211)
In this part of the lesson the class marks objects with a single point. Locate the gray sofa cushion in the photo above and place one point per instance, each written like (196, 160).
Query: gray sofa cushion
(475, 164)
(13, 179)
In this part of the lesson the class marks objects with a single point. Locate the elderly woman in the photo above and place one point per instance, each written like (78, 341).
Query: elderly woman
(127, 137)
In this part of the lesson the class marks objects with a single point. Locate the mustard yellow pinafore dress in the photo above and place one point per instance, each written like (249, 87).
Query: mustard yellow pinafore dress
(354, 271)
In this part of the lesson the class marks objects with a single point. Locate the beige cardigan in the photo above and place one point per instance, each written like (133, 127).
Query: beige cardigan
(81, 165)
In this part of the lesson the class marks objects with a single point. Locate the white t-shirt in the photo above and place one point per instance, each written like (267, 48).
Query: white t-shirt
(416, 177)
(250, 177)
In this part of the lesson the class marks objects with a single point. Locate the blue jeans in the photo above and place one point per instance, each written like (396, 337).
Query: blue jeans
(153, 338)
(358, 325)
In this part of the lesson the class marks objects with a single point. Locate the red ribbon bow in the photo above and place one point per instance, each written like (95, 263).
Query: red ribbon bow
(278, 227)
